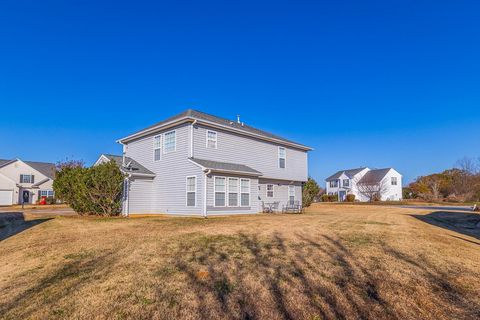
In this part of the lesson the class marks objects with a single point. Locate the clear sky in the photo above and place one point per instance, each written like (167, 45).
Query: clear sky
(366, 83)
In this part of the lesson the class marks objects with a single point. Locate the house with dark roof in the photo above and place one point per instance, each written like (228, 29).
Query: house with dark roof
(386, 184)
(195, 163)
(25, 181)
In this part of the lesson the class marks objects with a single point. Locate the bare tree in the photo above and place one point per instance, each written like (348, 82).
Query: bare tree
(468, 165)
(372, 188)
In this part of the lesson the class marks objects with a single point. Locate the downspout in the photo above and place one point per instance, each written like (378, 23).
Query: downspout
(205, 193)
(127, 198)
(191, 137)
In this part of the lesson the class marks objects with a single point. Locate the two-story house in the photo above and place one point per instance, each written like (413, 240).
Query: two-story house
(25, 180)
(362, 182)
(198, 164)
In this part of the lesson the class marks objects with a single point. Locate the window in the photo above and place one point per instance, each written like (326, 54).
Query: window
(394, 181)
(291, 193)
(233, 192)
(191, 191)
(170, 142)
(334, 184)
(346, 182)
(27, 178)
(211, 139)
(157, 147)
(245, 192)
(220, 191)
(282, 157)
(46, 193)
(269, 190)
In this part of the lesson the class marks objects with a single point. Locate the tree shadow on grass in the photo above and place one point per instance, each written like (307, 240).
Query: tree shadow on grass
(12, 223)
(80, 270)
(247, 277)
(461, 222)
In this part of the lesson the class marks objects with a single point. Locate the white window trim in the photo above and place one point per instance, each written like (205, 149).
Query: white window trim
(396, 181)
(227, 200)
(207, 139)
(164, 142)
(215, 191)
(25, 175)
(186, 191)
(160, 148)
(273, 190)
(249, 193)
(285, 158)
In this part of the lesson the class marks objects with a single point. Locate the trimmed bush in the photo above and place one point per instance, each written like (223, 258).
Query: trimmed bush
(309, 192)
(329, 198)
(350, 198)
(90, 191)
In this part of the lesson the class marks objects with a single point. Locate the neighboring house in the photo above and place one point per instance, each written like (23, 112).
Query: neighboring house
(27, 180)
(347, 182)
(198, 164)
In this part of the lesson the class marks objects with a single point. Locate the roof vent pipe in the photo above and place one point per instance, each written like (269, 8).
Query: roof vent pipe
(238, 118)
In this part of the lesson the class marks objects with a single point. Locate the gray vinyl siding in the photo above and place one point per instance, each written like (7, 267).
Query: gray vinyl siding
(168, 193)
(280, 192)
(257, 154)
(212, 210)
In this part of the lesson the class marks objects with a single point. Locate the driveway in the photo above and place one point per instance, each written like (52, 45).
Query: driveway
(450, 208)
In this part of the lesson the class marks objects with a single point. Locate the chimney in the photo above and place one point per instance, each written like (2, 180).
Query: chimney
(238, 118)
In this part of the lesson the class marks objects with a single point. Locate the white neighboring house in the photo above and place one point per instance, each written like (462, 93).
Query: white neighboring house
(27, 180)
(346, 182)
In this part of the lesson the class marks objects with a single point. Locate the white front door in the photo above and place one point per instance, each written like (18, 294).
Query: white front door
(6, 197)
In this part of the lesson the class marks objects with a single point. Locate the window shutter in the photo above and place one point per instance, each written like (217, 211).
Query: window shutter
(33, 179)
(21, 178)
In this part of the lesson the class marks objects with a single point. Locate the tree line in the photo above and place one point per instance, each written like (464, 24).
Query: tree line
(459, 184)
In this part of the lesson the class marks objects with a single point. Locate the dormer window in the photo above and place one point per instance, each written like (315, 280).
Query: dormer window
(282, 157)
(211, 139)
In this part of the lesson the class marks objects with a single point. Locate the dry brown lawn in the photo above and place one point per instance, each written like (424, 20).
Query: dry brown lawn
(333, 262)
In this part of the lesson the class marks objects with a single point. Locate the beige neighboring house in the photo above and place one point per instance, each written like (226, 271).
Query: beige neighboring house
(27, 180)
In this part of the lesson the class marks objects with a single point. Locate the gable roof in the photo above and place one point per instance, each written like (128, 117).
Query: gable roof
(375, 175)
(133, 168)
(208, 119)
(349, 173)
(45, 168)
(226, 167)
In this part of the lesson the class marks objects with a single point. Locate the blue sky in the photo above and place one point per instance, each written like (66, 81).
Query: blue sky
(366, 83)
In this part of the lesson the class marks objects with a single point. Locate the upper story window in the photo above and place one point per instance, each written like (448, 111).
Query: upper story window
(211, 139)
(270, 193)
(27, 178)
(282, 157)
(334, 184)
(394, 181)
(346, 182)
(191, 191)
(157, 147)
(169, 142)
